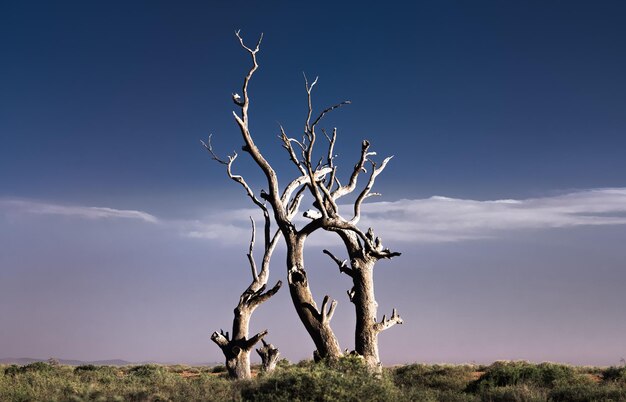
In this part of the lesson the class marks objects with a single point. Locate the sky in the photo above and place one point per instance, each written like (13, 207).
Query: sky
(121, 239)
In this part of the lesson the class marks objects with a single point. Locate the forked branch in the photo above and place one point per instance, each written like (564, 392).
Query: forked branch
(388, 323)
(343, 265)
(327, 314)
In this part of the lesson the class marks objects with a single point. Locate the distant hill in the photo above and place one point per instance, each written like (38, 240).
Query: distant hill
(26, 360)
(68, 362)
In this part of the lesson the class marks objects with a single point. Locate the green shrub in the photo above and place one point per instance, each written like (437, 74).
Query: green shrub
(343, 380)
(502, 374)
(38, 367)
(589, 392)
(12, 370)
(85, 367)
(440, 377)
(513, 393)
(220, 368)
(614, 374)
(147, 370)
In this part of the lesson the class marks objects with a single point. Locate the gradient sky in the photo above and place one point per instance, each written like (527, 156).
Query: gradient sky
(120, 238)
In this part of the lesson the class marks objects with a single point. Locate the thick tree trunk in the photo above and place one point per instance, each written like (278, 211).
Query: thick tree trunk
(316, 322)
(366, 333)
(237, 349)
(367, 328)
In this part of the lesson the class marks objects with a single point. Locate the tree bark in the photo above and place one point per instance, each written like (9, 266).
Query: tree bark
(237, 349)
(269, 356)
(362, 295)
(316, 322)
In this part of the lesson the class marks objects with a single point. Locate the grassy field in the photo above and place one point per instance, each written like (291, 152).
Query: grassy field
(346, 380)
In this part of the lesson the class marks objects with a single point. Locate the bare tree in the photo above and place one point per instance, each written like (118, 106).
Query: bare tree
(285, 205)
(364, 249)
(321, 179)
(237, 348)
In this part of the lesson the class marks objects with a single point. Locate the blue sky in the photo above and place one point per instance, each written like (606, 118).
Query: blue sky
(120, 238)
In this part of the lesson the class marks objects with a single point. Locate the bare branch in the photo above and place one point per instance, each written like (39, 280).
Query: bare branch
(351, 294)
(255, 339)
(327, 315)
(305, 179)
(261, 298)
(358, 168)
(343, 265)
(237, 178)
(329, 109)
(255, 276)
(292, 154)
(250, 145)
(388, 323)
(366, 191)
(220, 339)
(309, 88)
(334, 209)
(294, 206)
(330, 158)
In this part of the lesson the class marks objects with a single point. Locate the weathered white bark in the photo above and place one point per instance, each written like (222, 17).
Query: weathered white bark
(367, 328)
(269, 356)
(284, 206)
(364, 249)
(237, 349)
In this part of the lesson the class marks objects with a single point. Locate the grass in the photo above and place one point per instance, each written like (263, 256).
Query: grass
(346, 380)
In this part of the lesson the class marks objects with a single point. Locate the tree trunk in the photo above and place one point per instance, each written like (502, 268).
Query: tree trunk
(237, 350)
(269, 356)
(366, 333)
(367, 328)
(316, 322)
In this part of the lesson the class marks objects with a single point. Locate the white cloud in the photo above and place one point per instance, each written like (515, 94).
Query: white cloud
(34, 207)
(435, 219)
(438, 219)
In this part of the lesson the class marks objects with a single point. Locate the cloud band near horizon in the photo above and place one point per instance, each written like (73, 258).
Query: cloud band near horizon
(431, 220)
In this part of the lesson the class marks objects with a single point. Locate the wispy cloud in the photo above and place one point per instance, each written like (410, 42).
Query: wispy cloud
(434, 219)
(42, 208)
(441, 219)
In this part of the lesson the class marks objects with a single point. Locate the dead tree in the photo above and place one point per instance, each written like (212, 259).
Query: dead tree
(364, 248)
(269, 356)
(237, 348)
(285, 205)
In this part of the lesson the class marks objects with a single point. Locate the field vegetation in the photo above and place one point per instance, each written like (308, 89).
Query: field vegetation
(346, 380)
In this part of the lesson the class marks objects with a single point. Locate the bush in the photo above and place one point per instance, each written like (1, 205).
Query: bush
(344, 380)
(614, 374)
(587, 392)
(84, 368)
(503, 374)
(440, 377)
(220, 368)
(513, 393)
(147, 371)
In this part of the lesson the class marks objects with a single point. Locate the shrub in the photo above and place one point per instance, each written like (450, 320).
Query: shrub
(502, 374)
(614, 374)
(84, 368)
(513, 393)
(344, 380)
(12, 370)
(587, 393)
(440, 377)
(220, 368)
(147, 370)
